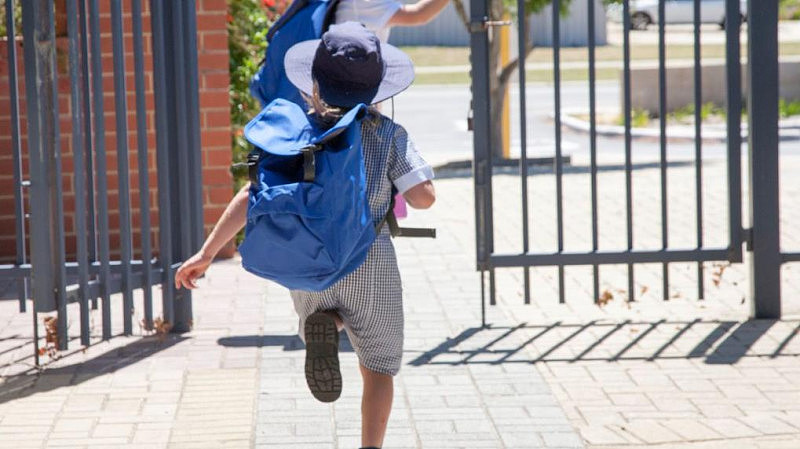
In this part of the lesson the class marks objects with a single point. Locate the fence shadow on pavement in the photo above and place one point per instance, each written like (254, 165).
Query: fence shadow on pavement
(36, 381)
(288, 342)
(715, 342)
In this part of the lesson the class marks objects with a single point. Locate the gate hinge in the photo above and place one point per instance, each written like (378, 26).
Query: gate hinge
(747, 237)
(484, 24)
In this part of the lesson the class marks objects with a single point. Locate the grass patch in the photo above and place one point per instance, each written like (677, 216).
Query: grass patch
(708, 112)
(535, 76)
(788, 108)
(639, 119)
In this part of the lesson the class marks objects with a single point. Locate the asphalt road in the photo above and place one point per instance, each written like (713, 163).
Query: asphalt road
(436, 118)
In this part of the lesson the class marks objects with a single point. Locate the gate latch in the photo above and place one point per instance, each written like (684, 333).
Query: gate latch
(484, 24)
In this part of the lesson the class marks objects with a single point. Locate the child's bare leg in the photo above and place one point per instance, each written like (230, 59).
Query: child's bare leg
(376, 405)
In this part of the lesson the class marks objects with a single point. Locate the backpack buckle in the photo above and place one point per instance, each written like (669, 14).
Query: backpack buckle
(309, 162)
(253, 158)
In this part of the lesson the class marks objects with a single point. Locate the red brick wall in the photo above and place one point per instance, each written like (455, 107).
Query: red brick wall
(214, 124)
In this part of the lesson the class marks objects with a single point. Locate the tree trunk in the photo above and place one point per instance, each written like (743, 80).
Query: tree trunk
(499, 86)
(496, 105)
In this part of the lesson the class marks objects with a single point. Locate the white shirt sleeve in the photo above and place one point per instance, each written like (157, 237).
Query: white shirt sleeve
(373, 14)
(407, 168)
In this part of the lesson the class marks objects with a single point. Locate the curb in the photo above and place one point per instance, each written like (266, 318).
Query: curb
(466, 164)
(790, 129)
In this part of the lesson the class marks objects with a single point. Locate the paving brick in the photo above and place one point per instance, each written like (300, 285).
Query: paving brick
(690, 430)
(651, 432)
(562, 439)
(731, 428)
(768, 425)
(600, 435)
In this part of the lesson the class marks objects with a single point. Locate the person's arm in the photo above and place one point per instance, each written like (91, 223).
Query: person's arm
(418, 13)
(231, 221)
(409, 172)
(421, 196)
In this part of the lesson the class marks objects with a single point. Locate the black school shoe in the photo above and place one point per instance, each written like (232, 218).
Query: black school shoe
(322, 357)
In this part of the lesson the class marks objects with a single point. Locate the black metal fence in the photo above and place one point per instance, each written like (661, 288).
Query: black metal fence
(98, 270)
(762, 238)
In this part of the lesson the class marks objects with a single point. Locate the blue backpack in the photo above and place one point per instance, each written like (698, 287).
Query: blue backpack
(308, 218)
(303, 20)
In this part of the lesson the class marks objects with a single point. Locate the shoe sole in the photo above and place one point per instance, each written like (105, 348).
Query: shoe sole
(322, 357)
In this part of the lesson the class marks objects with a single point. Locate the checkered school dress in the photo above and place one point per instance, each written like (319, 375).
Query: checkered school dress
(370, 299)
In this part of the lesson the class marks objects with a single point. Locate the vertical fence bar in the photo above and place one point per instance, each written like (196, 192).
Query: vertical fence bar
(483, 298)
(593, 146)
(191, 186)
(102, 168)
(55, 180)
(559, 165)
(162, 158)
(181, 133)
(182, 188)
(482, 159)
(87, 132)
(662, 122)
(193, 122)
(522, 39)
(764, 169)
(79, 166)
(16, 151)
(626, 74)
(492, 287)
(142, 160)
(54, 177)
(698, 144)
(123, 169)
(47, 220)
(733, 64)
(42, 278)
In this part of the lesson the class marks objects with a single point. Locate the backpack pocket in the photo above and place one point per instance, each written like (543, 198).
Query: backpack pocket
(301, 198)
(285, 234)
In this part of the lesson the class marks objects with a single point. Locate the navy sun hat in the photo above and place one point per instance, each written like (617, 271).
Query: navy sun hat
(351, 66)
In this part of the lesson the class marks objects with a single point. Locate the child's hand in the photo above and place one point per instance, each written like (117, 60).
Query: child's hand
(192, 269)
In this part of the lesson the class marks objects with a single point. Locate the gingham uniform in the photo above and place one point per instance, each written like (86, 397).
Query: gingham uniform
(370, 299)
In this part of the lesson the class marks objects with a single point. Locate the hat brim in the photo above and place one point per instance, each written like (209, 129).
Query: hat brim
(397, 76)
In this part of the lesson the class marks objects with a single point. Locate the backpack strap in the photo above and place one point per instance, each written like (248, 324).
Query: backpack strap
(309, 154)
(397, 231)
(296, 6)
(310, 162)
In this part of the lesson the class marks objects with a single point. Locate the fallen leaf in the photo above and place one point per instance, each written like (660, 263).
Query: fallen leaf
(605, 298)
(719, 270)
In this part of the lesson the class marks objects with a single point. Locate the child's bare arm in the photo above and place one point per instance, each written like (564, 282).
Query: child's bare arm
(421, 196)
(418, 13)
(231, 221)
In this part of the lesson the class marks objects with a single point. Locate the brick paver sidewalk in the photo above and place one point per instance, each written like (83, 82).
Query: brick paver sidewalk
(676, 374)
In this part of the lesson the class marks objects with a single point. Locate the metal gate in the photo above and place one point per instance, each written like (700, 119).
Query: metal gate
(762, 238)
(99, 268)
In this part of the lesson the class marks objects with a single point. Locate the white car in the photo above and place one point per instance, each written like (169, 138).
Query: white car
(645, 12)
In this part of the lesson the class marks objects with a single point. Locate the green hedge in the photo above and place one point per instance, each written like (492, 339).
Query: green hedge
(248, 23)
